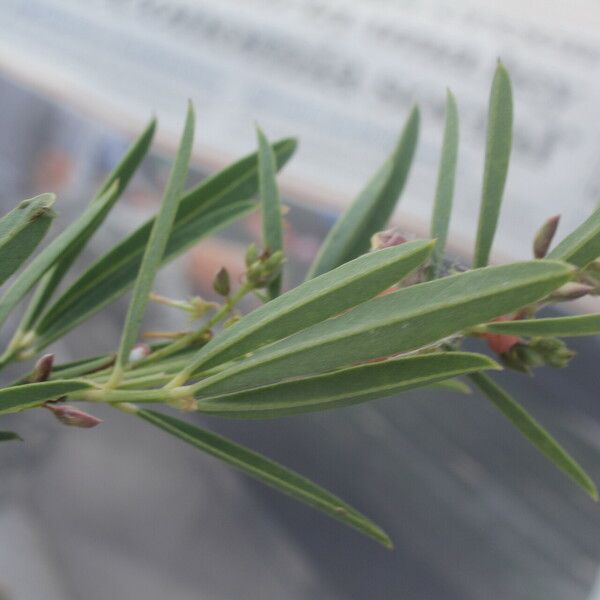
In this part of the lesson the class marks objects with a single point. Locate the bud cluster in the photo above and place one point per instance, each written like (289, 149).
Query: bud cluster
(536, 353)
(262, 268)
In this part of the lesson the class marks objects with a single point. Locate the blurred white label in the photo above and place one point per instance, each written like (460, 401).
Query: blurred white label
(341, 76)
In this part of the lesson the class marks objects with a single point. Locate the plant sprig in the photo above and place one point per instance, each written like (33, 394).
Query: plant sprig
(364, 325)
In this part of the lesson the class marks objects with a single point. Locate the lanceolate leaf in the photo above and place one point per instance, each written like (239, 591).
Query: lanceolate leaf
(497, 157)
(370, 212)
(398, 322)
(30, 395)
(267, 471)
(115, 183)
(551, 327)
(21, 231)
(214, 204)
(314, 301)
(9, 436)
(157, 242)
(533, 431)
(43, 261)
(444, 192)
(345, 387)
(270, 204)
(581, 246)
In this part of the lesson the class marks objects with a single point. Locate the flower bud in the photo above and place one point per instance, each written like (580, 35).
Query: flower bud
(274, 261)
(198, 307)
(553, 351)
(138, 352)
(387, 239)
(500, 342)
(185, 403)
(251, 255)
(544, 236)
(73, 417)
(571, 291)
(221, 282)
(42, 369)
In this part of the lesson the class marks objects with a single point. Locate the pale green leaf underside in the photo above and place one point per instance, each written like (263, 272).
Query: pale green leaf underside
(22, 230)
(267, 471)
(534, 432)
(371, 210)
(30, 395)
(551, 327)
(394, 323)
(444, 192)
(497, 157)
(314, 301)
(346, 387)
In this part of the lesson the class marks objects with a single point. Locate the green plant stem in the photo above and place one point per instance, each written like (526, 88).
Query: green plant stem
(111, 396)
(194, 336)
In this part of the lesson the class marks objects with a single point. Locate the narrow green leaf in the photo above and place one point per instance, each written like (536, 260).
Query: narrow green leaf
(115, 183)
(8, 436)
(497, 157)
(22, 230)
(533, 431)
(44, 260)
(582, 246)
(212, 205)
(345, 387)
(270, 204)
(314, 301)
(394, 323)
(373, 207)
(268, 472)
(157, 242)
(30, 395)
(444, 192)
(551, 327)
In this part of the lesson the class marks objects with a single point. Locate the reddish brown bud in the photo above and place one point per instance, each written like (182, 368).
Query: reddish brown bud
(499, 342)
(139, 351)
(42, 369)
(544, 236)
(73, 416)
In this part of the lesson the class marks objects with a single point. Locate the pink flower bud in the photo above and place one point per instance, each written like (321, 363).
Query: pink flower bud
(42, 369)
(73, 417)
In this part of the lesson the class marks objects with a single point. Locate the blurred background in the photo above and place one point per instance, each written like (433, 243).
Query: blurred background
(123, 511)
